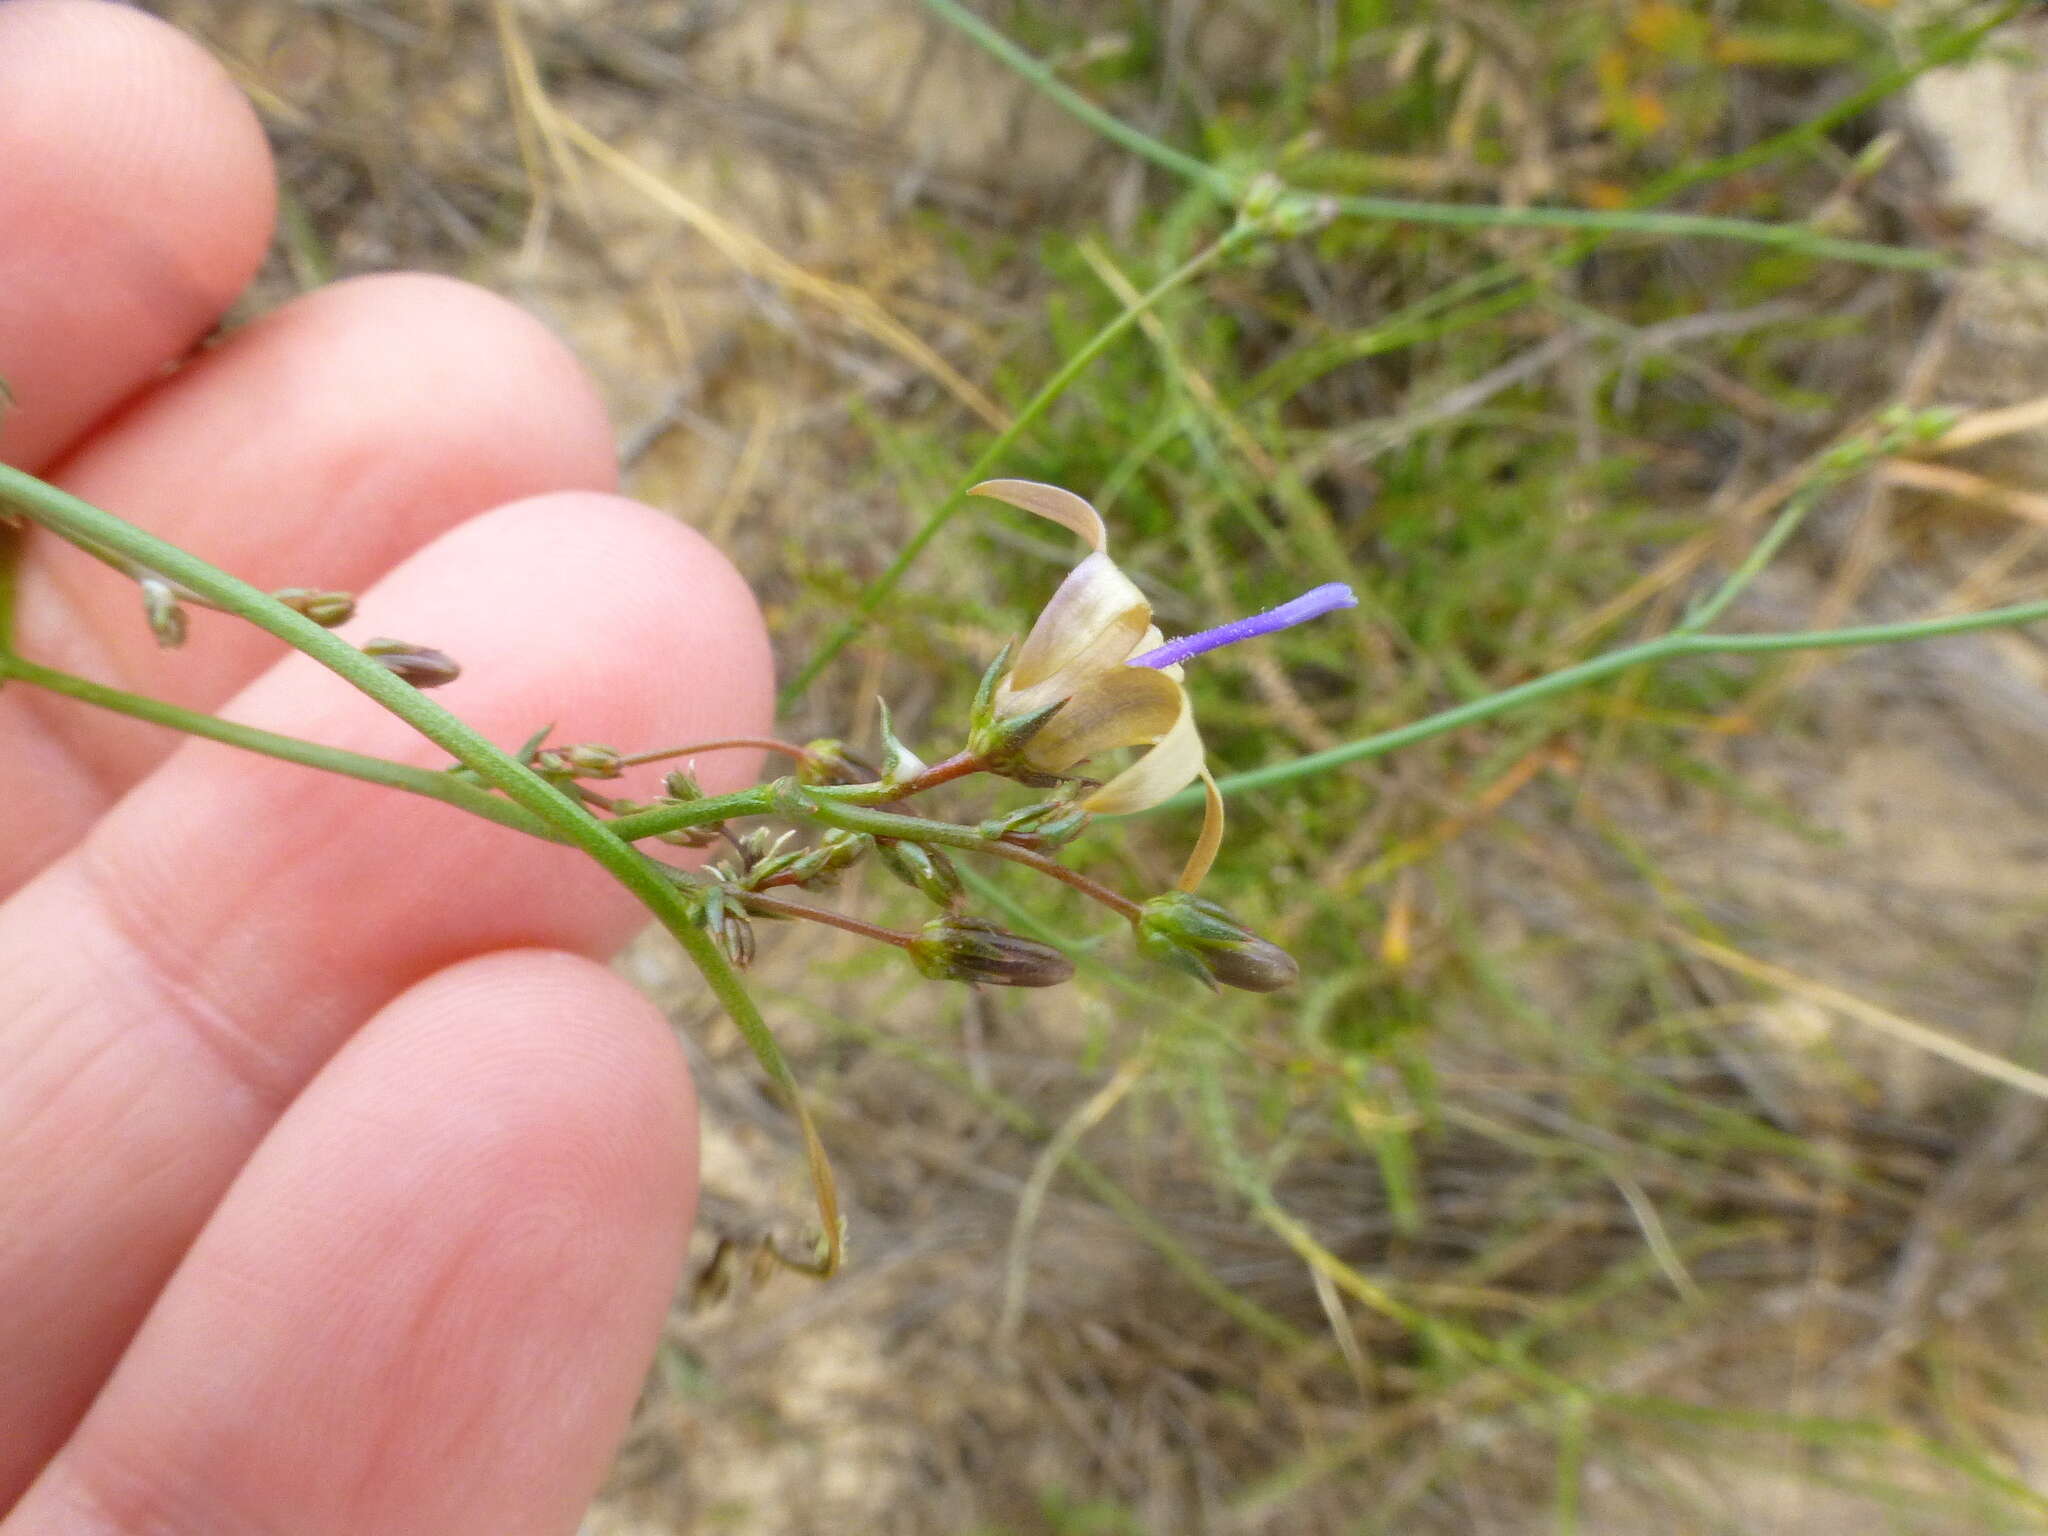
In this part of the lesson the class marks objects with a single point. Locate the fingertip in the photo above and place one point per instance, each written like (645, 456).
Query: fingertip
(137, 203)
(429, 1301)
(609, 587)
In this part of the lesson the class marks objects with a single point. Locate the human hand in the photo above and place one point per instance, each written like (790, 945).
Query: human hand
(343, 1190)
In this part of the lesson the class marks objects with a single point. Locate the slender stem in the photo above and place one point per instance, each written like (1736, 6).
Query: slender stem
(1676, 644)
(11, 540)
(764, 743)
(1787, 522)
(959, 766)
(1402, 210)
(1057, 385)
(1030, 858)
(908, 829)
(435, 784)
(67, 514)
(775, 906)
(758, 801)
(916, 829)
(1048, 84)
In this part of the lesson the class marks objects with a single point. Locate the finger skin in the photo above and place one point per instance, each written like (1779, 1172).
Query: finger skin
(176, 980)
(135, 204)
(427, 1303)
(318, 447)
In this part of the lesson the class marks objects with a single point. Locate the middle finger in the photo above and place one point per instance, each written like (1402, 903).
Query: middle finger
(316, 448)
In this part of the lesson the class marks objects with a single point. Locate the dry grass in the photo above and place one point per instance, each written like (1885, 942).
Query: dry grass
(1569, 1195)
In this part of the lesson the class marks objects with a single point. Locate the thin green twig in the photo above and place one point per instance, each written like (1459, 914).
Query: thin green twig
(1592, 670)
(432, 783)
(67, 514)
(1403, 210)
(10, 567)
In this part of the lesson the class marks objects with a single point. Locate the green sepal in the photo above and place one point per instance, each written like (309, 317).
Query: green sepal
(981, 716)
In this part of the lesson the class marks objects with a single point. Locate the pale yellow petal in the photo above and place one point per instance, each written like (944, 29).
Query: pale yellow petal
(1159, 775)
(1123, 707)
(1096, 611)
(1063, 507)
(1203, 854)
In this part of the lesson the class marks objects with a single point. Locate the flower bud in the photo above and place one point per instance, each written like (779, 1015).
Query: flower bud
(693, 837)
(420, 665)
(1042, 827)
(1200, 938)
(971, 949)
(160, 607)
(818, 865)
(326, 609)
(587, 760)
(899, 764)
(731, 931)
(829, 761)
(924, 869)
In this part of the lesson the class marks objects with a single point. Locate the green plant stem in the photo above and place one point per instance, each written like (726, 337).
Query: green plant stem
(1402, 210)
(1046, 81)
(1783, 526)
(916, 829)
(1056, 386)
(432, 783)
(1408, 325)
(1678, 643)
(75, 518)
(10, 568)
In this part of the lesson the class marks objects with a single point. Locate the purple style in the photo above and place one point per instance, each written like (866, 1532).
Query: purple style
(1310, 605)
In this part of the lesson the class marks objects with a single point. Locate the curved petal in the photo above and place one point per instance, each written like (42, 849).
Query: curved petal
(1063, 507)
(1203, 854)
(1097, 610)
(1123, 707)
(1171, 765)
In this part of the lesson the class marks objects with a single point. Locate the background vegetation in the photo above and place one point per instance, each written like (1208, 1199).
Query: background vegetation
(1599, 1176)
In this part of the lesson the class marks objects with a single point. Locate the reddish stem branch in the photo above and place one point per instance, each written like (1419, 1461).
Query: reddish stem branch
(958, 766)
(1094, 890)
(774, 906)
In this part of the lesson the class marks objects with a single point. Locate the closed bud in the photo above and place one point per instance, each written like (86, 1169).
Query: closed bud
(971, 949)
(420, 665)
(682, 785)
(326, 609)
(820, 864)
(587, 760)
(924, 869)
(731, 931)
(899, 764)
(1202, 939)
(829, 761)
(160, 607)
(693, 837)
(1047, 825)
(758, 843)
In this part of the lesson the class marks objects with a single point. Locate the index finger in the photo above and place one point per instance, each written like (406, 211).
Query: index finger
(136, 193)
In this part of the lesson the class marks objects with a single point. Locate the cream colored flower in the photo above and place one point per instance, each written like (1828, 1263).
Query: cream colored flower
(1080, 651)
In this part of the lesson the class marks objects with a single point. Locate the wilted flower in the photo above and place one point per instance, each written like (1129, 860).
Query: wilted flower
(1096, 654)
